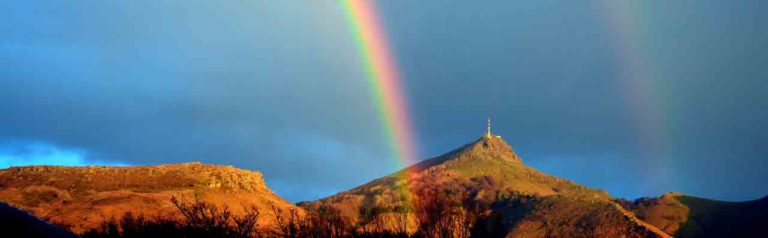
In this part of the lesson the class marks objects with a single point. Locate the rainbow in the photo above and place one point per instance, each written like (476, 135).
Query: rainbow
(383, 77)
(640, 79)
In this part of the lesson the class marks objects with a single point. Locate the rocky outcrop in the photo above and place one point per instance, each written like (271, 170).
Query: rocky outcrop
(83, 197)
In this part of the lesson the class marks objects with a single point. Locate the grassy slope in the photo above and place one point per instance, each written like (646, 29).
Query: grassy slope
(83, 197)
(687, 216)
(490, 172)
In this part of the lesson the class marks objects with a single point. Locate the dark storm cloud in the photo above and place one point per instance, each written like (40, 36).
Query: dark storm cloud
(548, 74)
(147, 83)
(277, 86)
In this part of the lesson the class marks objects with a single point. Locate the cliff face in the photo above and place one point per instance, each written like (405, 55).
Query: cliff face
(487, 176)
(83, 197)
(147, 178)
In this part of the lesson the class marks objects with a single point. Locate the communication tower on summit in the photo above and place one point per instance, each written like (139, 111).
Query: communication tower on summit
(488, 134)
(488, 131)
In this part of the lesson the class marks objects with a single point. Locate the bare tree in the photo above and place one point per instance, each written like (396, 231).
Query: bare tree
(246, 225)
(288, 224)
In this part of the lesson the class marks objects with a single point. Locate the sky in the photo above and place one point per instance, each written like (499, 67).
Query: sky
(634, 97)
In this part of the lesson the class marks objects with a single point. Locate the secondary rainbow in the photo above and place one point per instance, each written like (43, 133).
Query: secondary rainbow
(640, 77)
(383, 77)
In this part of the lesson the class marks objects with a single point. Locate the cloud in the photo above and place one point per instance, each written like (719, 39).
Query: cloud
(279, 87)
(23, 153)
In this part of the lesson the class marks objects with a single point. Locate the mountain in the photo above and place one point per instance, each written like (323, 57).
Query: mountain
(481, 189)
(83, 197)
(504, 197)
(688, 216)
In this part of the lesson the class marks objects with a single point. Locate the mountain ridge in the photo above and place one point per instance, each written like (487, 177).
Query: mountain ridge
(84, 196)
(688, 216)
(481, 189)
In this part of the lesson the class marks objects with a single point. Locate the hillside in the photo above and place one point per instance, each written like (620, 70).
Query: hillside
(83, 197)
(481, 189)
(502, 194)
(688, 216)
(17, 223)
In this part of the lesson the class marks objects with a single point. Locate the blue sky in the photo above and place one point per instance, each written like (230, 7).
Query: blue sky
(635, 97)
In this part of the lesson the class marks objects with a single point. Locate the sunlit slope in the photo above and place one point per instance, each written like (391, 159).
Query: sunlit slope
(688, 216)
(83, 197)
(518, 198)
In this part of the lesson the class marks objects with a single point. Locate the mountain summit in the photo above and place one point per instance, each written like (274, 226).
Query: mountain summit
(487, 183)
(486, 147)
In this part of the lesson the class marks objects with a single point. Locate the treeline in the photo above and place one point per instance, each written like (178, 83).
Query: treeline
(202, 219)
(431, 214)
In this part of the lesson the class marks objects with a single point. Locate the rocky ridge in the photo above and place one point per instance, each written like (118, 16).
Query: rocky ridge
(83, 197)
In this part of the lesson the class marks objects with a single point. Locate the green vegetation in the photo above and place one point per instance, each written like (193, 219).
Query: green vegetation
(482, 190)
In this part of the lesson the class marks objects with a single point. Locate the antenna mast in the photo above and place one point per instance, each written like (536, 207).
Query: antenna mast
(488, 132)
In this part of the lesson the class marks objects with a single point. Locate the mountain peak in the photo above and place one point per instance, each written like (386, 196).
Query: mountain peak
(493, 147)
(488, 147)
(487, 173)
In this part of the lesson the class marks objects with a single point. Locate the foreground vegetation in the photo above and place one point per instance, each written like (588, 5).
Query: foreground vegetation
(429, 216)
(440, 213)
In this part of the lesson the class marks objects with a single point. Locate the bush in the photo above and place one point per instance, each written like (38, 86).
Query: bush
(200, 219)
